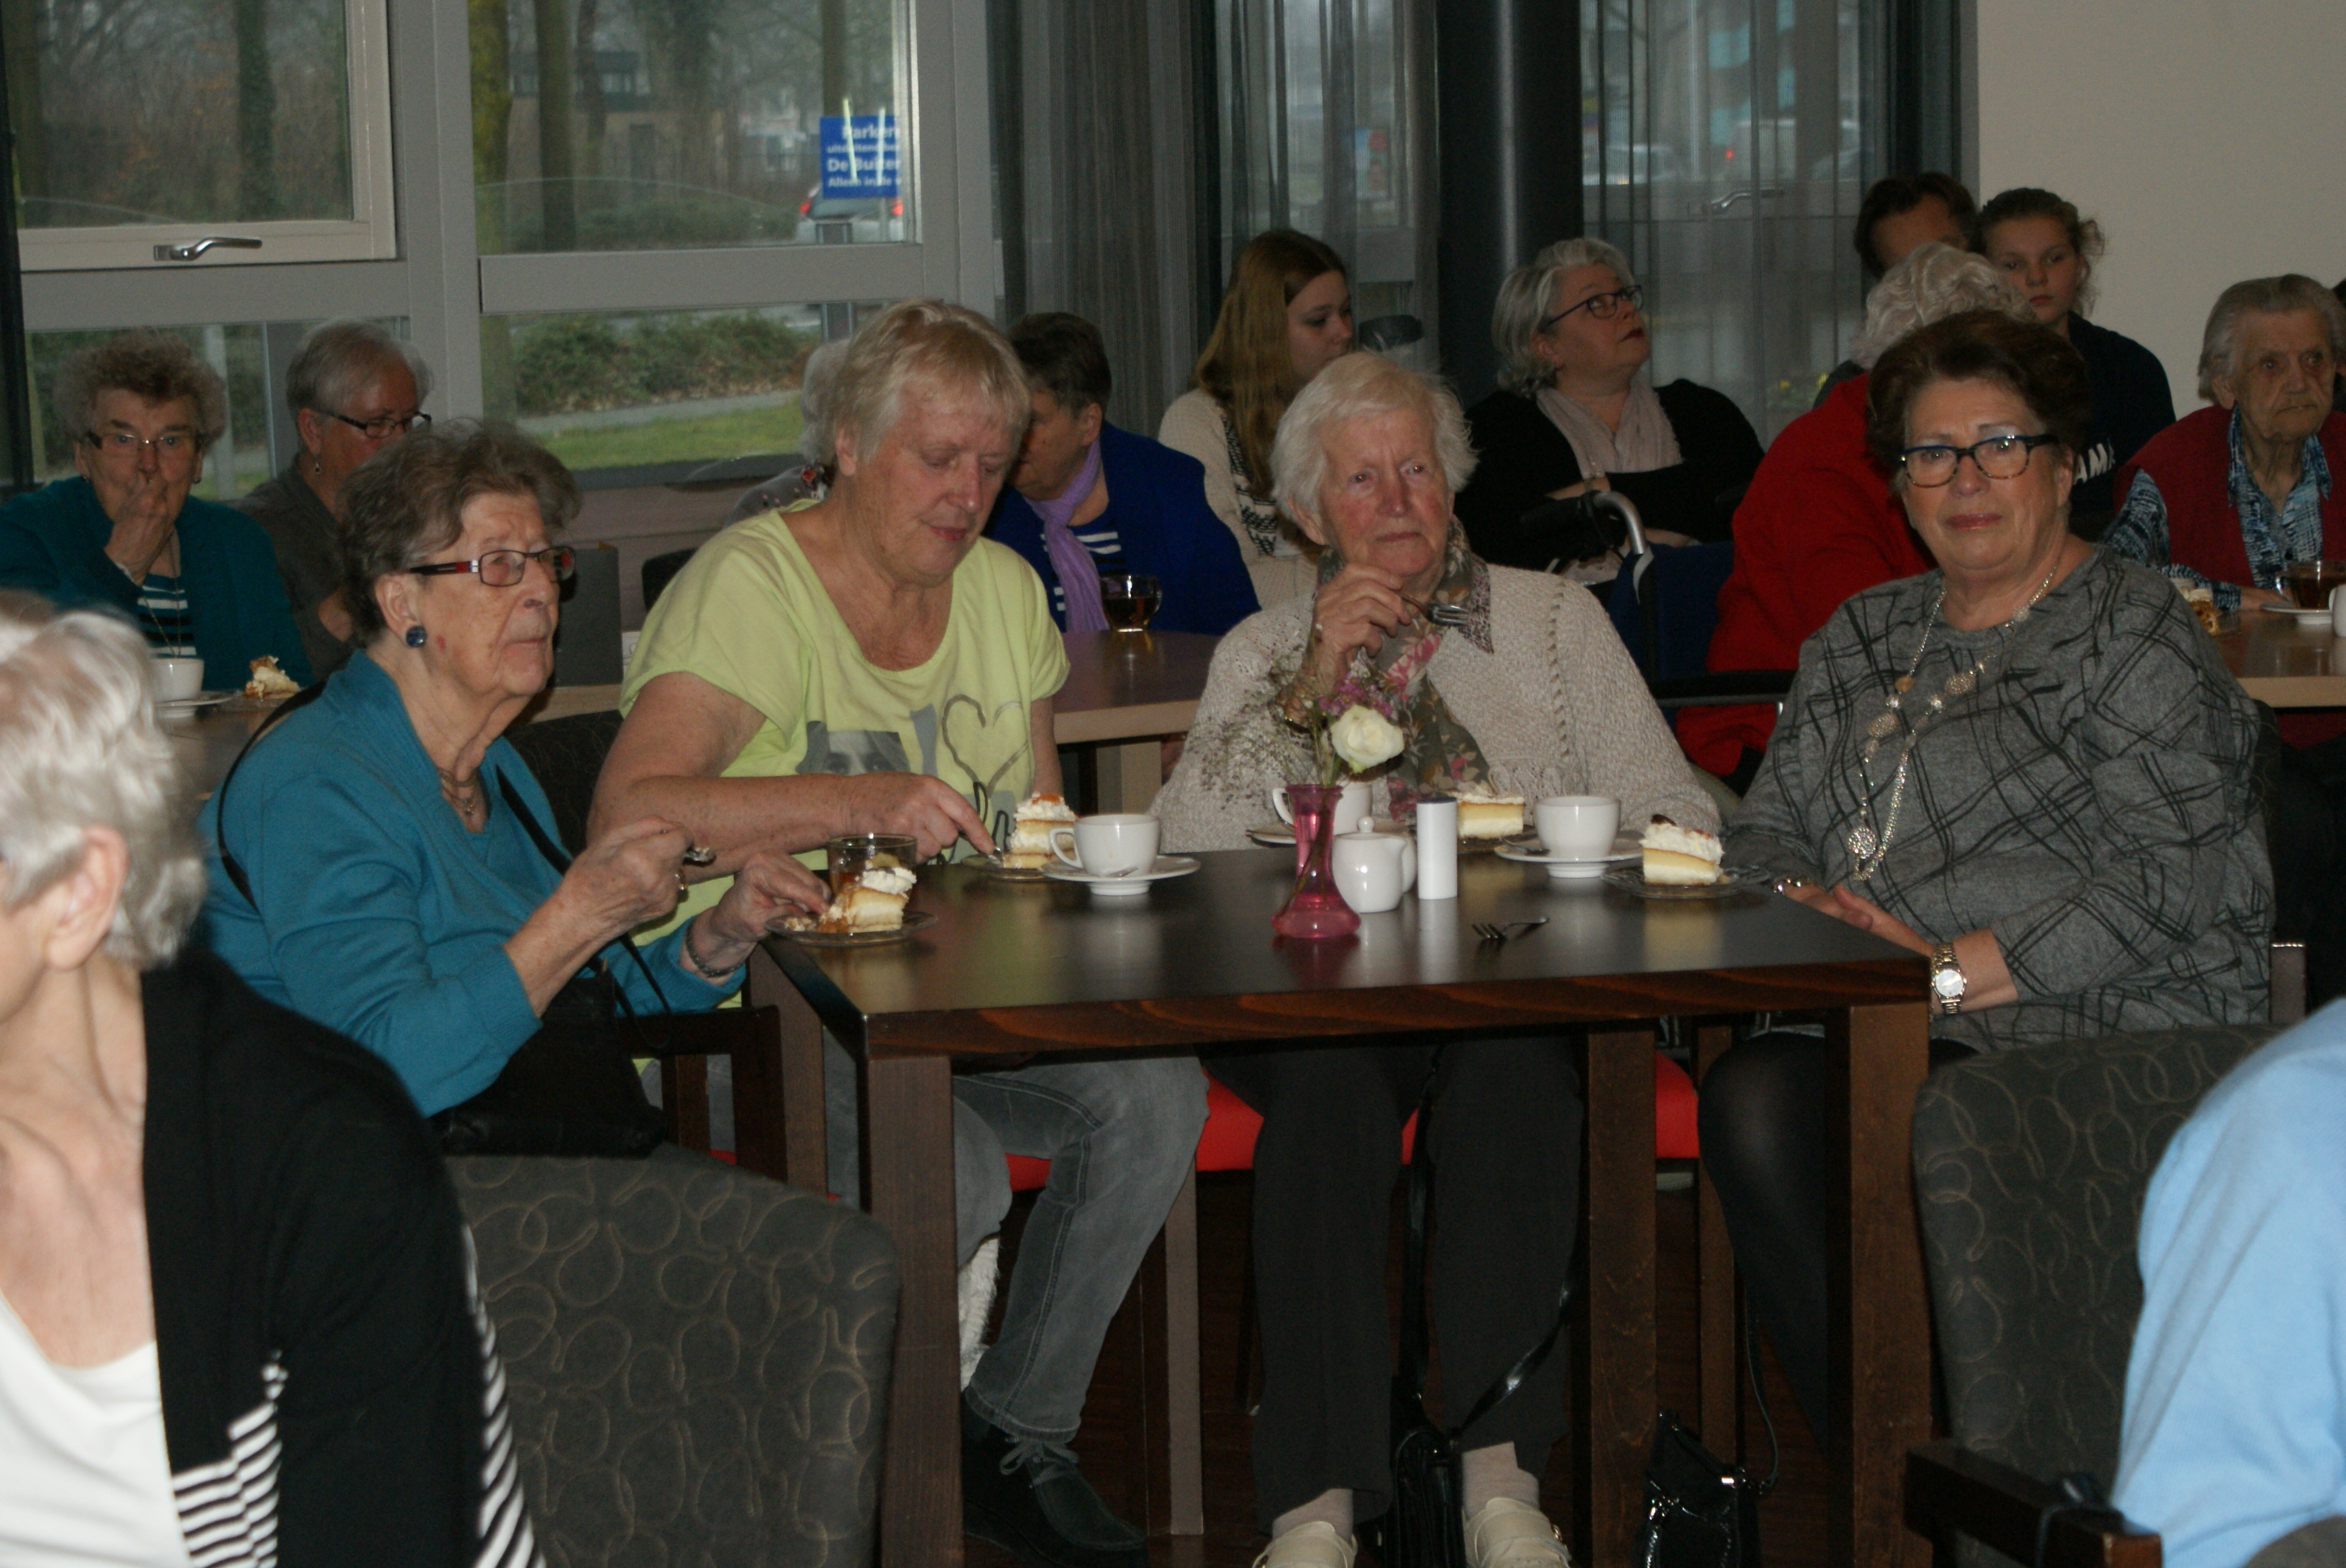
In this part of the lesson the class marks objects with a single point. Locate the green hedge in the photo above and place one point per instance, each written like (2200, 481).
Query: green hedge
(576, 364)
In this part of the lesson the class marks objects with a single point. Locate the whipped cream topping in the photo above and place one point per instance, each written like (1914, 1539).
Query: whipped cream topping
(1661, 833)
(888, 880)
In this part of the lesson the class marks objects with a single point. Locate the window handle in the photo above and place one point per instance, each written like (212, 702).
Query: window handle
(189, 253)
(1732, 197)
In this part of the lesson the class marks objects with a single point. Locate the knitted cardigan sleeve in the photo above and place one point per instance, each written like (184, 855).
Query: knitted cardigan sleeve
(1239, 749)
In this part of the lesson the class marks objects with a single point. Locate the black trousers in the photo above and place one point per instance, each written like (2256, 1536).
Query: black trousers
(1764, 1146)
(1506, 1208)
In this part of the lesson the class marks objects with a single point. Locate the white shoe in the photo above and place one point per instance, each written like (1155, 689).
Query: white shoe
(974, 1285)
(1505, 1533)
(1313, 1545)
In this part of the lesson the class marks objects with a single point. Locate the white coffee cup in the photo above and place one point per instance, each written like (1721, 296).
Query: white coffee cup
(1372, 870)
(2338, 611)
(1578, 827)
(1352, 806)
(1117, 844)
(177, 679)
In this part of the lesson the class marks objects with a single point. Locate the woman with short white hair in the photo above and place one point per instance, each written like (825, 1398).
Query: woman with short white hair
(2230, 495)
(1521, 687)
(237, 1313)
(1577, 411)
(1819, 522)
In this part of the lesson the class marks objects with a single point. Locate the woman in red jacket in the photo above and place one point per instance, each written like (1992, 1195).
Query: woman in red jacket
(1818, 523)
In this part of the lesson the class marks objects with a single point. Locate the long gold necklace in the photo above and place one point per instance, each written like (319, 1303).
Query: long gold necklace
(1868, 849)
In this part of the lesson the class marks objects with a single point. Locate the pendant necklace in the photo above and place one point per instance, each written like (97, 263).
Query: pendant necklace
(1868, 849)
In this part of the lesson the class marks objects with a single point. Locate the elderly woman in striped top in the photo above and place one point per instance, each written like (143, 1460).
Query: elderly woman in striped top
(238, 1319)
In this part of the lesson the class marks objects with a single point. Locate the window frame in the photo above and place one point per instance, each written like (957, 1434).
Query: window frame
(443, 286)
(370, 233)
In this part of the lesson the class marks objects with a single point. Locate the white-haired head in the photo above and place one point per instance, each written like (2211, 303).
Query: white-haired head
(818, 435)
(1357, 386)
(950, 349)
(1930, 283)
(1523, 299)
(2219, 345)
(80, 749)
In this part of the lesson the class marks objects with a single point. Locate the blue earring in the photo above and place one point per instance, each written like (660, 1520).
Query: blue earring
(415, 637)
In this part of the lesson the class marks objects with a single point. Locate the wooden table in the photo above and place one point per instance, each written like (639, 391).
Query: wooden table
(2284, 663)
(1015, 970)
(1133, 689)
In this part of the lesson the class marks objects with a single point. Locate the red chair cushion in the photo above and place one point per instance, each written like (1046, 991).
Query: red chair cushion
(1231, 1125)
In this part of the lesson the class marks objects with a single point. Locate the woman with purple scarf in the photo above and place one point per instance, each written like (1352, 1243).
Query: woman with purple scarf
(1087, 498)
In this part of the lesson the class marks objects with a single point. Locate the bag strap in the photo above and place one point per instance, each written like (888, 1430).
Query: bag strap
(243, 884)
(1412, 1285)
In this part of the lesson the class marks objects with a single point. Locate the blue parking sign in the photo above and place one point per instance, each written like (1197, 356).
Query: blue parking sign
(858, 154)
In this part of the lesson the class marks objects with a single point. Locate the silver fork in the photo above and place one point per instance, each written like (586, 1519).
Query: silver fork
(1489, 931)
(1442, 615)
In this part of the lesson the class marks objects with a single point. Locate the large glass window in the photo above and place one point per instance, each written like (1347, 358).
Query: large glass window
(140, 124)
(674, 396)
(640, 125)
(1726, 145)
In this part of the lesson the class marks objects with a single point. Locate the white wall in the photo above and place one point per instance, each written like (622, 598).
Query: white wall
(2203, 134)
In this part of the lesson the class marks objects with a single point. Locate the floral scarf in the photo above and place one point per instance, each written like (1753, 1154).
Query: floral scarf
(1439, 757)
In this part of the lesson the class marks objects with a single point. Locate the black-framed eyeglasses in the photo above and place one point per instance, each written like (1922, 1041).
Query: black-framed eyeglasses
(1602, 306)
(383, 427)
(126, 444)
(1998, 457)
(504, 568)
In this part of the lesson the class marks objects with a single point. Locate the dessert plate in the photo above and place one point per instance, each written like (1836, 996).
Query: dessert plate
(1732, 880)
(1000, 872)
(1573, 868)
(2304, 617)
(195, 704)
(914, 919)
(1167, 868)
(1280, 836)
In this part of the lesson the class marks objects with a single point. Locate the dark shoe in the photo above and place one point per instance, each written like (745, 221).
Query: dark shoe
(1030, 1498)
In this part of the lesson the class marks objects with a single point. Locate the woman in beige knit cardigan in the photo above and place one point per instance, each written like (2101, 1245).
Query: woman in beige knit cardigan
(1533, 694)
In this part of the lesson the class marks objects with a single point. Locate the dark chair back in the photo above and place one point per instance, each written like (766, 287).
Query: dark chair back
(1667, 613)
(566, 757)
(659, 571)
(2030, 1168)
(696, 1358)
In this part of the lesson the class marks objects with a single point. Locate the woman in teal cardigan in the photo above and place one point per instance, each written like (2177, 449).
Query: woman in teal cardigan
(198, 578)
(392, 888)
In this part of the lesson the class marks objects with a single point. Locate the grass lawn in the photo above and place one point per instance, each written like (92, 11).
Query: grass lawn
(743, 432)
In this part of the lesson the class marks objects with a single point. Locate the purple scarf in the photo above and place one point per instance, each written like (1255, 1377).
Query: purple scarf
(1078, 570)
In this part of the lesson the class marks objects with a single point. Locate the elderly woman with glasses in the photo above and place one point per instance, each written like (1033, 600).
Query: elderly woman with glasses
(2029, 766)
(352, 389)
(237, 1316)
(1577, 411)
(378, 862)
(198, 578)
(1520, 686)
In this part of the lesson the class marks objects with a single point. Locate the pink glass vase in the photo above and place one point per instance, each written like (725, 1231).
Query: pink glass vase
(1315, 909)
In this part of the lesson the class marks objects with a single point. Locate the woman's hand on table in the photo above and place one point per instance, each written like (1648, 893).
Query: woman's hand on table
(767, 890)
(1987, 983)
(1353, 610)
(2252, 598)
(933, 813)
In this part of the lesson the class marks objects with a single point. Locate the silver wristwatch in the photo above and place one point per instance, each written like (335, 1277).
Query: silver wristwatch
(1947, 980)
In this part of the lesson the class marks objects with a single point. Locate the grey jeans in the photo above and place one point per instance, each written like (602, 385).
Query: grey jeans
(1120, 1136)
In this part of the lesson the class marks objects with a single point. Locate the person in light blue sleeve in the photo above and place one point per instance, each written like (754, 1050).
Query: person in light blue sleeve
(372, 860)
(2234, 1429)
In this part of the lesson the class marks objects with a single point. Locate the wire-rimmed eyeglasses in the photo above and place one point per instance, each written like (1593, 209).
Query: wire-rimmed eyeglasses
(504, 568)
(383, 427)
(1998, 457)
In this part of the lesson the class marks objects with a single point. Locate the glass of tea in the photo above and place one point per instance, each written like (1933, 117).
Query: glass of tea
(851, 854)
(1130, 600)
(2308, 582)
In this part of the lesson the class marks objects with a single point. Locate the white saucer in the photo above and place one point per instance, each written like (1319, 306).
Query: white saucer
(1166, 867)
(1574, 868)
(2304, 617)
(195, 704)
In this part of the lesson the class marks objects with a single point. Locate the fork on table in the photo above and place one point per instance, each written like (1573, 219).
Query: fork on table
(1490, 931)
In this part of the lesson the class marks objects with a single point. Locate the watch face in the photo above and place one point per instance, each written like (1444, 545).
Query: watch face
(1948, 982)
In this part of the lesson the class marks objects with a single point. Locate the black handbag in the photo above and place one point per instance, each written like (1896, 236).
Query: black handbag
(1700, 1511)
(572, 1088)
(1425, 1527)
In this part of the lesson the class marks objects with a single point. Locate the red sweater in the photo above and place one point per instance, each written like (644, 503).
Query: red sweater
(1818, 524)
(2191, 462)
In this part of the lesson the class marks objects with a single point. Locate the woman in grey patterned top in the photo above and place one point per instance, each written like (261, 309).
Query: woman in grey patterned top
(2030, 765)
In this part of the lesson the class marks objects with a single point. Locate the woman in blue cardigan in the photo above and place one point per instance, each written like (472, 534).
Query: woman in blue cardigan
(391, 886)
(200, 579)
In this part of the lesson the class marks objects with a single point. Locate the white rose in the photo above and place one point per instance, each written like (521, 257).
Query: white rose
(1363, 737)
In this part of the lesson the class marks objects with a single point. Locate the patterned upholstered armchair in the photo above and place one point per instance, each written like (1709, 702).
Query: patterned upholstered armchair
(697, 1358)
(2030, 1169)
